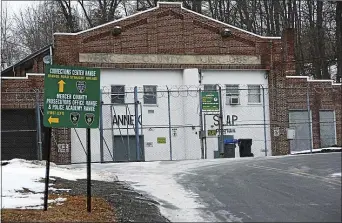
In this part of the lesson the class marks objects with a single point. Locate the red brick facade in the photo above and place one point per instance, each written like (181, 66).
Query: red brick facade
(323, 95)
(169, 29)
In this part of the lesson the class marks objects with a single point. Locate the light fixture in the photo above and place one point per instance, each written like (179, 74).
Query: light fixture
(116, 30)
(226, 32)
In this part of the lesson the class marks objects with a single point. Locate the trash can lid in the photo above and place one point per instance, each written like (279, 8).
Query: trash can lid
(230, 141)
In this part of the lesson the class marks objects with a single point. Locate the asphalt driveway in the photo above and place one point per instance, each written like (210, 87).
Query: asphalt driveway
(293, 188)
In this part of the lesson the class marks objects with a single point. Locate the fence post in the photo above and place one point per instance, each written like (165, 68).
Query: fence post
(201, 124)
(221, 122)
(136, 124)
(39, 132)
(308, 109)
(169, 113)
(264, 111)
(101, 128)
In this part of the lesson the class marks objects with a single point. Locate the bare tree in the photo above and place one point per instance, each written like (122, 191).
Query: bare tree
(10, 47)
(339, 41)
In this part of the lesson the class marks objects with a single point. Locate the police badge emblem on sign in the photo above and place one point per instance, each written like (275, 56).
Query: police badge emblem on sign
(81, 86)
(89, 118)
(74, 117)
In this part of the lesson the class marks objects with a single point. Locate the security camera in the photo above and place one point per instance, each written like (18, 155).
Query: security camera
(226, 32)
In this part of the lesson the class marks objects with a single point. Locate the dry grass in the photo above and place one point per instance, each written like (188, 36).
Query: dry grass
(74, 209)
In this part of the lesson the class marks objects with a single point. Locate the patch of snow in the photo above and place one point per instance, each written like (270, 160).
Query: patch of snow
(57, 200)
(20, 174)
(315, 150)
(57, 189)
(15, 200)
(336, 175)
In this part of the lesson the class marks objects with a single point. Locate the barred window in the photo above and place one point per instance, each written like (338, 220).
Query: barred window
(118, 94)
(150, 94)
(232, 90)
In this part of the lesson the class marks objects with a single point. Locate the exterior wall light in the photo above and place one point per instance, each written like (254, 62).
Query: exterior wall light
(226, 32)
(117, 30)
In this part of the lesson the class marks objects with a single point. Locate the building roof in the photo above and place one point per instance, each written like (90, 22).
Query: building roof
(29, 57)
(168, 3)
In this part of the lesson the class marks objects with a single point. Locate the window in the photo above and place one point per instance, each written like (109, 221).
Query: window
(118, 94)
(150, 94)
(254, 94)
(210, 87)
(232, 90)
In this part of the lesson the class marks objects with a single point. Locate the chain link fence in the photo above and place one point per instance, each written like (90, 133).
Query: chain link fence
(172, 123)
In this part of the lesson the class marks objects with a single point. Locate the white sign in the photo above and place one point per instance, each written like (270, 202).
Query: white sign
(149, 144)
(291, 133)
(63, 148)
(276, 131)
(167, 59)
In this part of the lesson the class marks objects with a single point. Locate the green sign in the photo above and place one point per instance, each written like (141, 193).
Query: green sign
(210, 101)
(71, 97)
(161, 140)
(212, 132)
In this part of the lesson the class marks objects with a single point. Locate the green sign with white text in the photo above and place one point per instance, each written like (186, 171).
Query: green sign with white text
(71, 97)
(210, 101)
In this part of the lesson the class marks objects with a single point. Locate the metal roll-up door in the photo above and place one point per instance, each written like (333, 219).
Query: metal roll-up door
(18, 134)
(300, 122)
(327, 126)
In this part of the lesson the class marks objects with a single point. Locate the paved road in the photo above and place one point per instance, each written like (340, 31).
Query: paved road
(294, 188)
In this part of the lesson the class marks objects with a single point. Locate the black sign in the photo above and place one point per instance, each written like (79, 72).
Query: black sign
(89, 118)
(230, 120)
(125, 119)
(81, 86)
(74, 117)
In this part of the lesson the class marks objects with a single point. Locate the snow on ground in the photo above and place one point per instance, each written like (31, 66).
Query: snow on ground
(21, 187)
(336, 175)
(315, 150)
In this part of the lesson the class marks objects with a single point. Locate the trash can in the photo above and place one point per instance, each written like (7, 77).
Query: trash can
(229, 148)
(245, 147)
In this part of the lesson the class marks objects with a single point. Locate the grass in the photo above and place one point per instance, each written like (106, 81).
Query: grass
(74, 209)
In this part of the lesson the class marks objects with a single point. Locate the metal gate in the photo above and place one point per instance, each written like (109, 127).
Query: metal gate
(19, 136)
(299, 121)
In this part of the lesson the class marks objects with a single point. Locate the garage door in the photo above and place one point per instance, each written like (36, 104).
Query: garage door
(125, 148)
(327, 126)
(298, 120)
(18, 134)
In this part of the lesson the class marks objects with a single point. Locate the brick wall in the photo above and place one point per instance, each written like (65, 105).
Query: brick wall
(323, 95)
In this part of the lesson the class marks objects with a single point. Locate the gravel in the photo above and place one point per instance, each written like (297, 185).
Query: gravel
(128, 204)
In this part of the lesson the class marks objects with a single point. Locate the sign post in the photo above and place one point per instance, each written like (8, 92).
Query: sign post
(72, 100)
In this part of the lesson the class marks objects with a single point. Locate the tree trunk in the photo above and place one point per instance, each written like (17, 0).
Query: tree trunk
(339, 41)
(320, 41)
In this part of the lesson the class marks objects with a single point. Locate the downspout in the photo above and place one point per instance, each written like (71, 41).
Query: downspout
(51, 54)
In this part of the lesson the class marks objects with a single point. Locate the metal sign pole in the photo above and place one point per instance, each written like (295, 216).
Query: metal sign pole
(136, 122)
(88, 171)
(202, 133)
(221, 121)
(47, 172)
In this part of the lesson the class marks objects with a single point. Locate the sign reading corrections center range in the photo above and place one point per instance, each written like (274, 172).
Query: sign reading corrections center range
(71, 97)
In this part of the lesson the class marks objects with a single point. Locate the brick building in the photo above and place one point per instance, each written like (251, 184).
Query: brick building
(170, 37)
